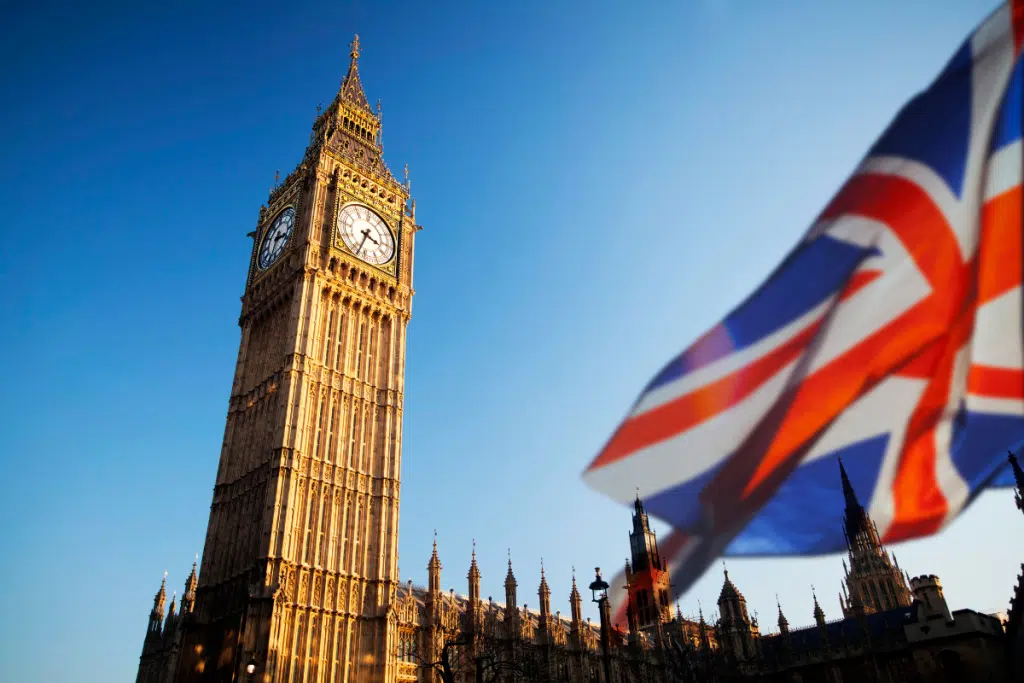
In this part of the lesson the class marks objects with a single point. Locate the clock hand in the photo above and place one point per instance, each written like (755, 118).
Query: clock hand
(365, 235)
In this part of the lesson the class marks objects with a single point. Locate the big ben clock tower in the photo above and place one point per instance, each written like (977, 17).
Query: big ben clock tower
(299, 569)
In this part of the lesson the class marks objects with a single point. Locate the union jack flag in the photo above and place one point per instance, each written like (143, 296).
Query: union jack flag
(891, 336)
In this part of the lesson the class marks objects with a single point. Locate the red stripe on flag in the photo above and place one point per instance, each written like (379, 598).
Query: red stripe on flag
(859, 280)
(1018, 23)
(691, 409)
(1000, 246)
(993, 382)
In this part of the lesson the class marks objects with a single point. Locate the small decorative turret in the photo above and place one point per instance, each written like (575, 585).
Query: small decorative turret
(783, 622)
(474, 580)
(172, 614)
(156, 615)
(154, 630)
(434, 567)
(702, 630)
(819, 614)
(576, 604)
(510, 586)
(188, 598)
(544, 593)
(737, 630)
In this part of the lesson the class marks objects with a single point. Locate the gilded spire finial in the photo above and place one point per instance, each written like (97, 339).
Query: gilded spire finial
(354, 54)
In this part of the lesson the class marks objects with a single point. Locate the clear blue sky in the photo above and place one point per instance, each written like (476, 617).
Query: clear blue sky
(598, 184)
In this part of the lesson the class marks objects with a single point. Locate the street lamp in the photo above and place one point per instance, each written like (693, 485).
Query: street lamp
(599, 589)
(250, 668)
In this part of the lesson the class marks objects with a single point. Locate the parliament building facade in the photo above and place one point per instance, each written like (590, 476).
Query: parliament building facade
(299, 579)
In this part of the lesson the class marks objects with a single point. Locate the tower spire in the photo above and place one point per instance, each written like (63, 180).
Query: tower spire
(855, 515)
(870, 565)
(351, 87)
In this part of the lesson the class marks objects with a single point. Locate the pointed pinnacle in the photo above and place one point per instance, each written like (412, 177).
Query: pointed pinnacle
(354, 54)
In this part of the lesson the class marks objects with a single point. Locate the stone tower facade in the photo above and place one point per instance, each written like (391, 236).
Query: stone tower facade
(300, 561)
(874, 581)
(647, 577)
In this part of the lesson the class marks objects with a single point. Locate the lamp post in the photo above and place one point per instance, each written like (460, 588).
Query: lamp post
(599, 589)
(250, 669)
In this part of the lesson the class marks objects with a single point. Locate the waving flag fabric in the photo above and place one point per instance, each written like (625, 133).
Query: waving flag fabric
(891, 337)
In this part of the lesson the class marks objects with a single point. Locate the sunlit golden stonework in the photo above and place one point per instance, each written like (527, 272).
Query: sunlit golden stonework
(300, 560)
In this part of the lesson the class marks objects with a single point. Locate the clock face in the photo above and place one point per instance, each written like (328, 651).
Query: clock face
(276, 238)
(366, 234)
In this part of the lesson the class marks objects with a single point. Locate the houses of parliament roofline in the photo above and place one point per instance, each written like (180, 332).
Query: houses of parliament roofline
(908, 634)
